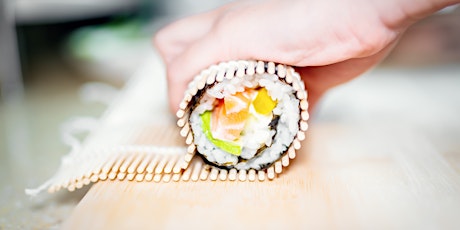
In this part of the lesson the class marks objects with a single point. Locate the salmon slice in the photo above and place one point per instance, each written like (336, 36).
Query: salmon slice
(230, 116)
(236, 103)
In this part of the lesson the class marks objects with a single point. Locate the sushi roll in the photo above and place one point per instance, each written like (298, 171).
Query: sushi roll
(244, 114)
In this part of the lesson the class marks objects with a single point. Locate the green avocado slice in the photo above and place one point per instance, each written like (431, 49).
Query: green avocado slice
(229, 147)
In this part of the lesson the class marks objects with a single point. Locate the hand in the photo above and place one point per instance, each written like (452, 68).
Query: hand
(329, 41)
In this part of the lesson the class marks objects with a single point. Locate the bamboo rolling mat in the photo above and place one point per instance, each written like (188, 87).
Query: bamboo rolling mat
(346, 176)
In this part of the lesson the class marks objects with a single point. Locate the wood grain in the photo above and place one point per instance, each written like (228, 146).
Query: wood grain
(336, 181)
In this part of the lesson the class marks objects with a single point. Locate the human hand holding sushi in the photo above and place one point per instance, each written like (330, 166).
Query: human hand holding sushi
(329, 41)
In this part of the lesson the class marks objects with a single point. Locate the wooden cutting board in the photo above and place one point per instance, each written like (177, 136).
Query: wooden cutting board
(336, 181)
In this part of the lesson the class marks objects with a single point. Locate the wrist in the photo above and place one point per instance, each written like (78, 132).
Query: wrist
(399, 14)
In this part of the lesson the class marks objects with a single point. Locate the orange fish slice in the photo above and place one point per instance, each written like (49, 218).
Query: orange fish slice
(236, 103)
(230, 116)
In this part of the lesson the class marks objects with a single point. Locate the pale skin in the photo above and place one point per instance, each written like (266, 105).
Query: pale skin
(328, 41)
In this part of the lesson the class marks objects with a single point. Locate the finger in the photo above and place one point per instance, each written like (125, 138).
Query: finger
(174, 38)
(181, 70)
(229, 40)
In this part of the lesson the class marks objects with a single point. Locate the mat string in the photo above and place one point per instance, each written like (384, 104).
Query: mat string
(101, 93)
(80, 125)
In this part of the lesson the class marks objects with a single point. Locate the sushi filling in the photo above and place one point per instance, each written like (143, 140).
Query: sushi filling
(245, 123)
(235, 118)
